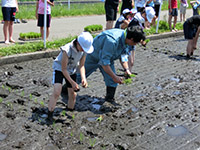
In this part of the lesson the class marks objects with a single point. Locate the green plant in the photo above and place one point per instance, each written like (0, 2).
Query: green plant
(63, 113)
(42, 103)
(22, 93)
(81, 137)
(9, 89)
(35, 100)
(3, 87)
(132, 75)
(30, 96)
(100, 118)
(128, 81)
(73, 117)
(1, 99)
(29, 35)
(92, 142)
(71, 134)
(91, 28)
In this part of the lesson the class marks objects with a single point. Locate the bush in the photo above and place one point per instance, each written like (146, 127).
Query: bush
(91, 28)
(29, 35)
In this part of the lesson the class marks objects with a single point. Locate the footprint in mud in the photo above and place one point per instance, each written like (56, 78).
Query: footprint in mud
(43, 82)
(18, 67)
(20, 101)
(36, 94)
(10, 115)
(13, 86)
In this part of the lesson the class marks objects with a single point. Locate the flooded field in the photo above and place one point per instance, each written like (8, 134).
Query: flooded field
(159, 110)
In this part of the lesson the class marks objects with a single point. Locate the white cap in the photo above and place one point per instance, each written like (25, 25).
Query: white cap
(150, 13)
(85, 39)
(139, 17)
(125, 11)
(133, 10)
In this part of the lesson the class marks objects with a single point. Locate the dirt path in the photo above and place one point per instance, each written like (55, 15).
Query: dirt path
(159, 110)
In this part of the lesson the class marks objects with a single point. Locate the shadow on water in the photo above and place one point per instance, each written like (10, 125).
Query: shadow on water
(176, 130)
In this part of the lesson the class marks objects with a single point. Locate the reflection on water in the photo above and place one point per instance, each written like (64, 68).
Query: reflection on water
(176, 131)
(2, 136)
(140, 95)
(176, 92)
(92, 119)
(132, 110)
(175, 79)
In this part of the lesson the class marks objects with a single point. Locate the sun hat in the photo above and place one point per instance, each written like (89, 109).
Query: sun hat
(85, 39)
(133, 10)
(125, 11)
(139, 17)
(150, 13)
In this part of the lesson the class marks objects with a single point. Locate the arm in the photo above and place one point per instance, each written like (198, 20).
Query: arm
(65, 73)
(82, 72)
(125, 24)
(170, 6)
(17, 8)
(133, 4)
(126, 68)
(115, 78)
(50, 3)
(36, 11)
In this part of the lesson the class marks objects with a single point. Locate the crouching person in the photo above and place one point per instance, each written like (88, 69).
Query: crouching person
(65, 67)
(191, 29)
(108, 46)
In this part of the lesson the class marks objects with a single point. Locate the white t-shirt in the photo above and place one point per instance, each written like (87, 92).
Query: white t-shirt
(74, 57)
(8, 3)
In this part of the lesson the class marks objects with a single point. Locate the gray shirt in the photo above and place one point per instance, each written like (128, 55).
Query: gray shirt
(74, 57)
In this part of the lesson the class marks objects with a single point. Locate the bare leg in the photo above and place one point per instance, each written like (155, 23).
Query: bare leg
(71, 98)
(54, 97)
(175, 20)
(10, 28)
(195, 39)
(170, 22)
(131, 59)
(189, 47)
(181, 17)
(5, 31)
(48, 30)
(109, 25)
(42, 32)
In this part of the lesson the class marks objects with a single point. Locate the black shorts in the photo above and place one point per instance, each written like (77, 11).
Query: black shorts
(156, 8)
(111, 12)
(9, 13)
(189, 31)
(41, 20)
(58, 78)
(174, 12)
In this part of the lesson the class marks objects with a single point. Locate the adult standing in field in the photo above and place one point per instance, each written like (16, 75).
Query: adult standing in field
(111, 8)
(127, 4)
(109, 45)
(40, 16)
(9, 9)
(140, 4)
(173, 12)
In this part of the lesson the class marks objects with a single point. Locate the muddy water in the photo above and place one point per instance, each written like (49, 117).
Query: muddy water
(161, 103)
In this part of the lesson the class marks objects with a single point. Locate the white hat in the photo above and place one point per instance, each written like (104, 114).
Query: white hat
(150, 13)
(85, 39)
(139, 17)
(133, 10)
(125, 11)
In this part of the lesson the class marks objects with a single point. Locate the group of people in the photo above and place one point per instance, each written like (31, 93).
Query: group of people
(81, 57)
(9, 10)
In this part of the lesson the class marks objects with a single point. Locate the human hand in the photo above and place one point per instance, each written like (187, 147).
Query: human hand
(118, 79)
(84, 83)
(75, 87)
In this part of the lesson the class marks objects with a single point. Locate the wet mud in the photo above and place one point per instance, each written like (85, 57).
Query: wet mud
(159, 110)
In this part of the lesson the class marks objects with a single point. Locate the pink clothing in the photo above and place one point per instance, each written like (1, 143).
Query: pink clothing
(41, 8)
(174, 4)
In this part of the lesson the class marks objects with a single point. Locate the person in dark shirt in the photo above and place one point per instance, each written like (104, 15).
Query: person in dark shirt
(111, 8)
(191, 29)
(127, 4)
